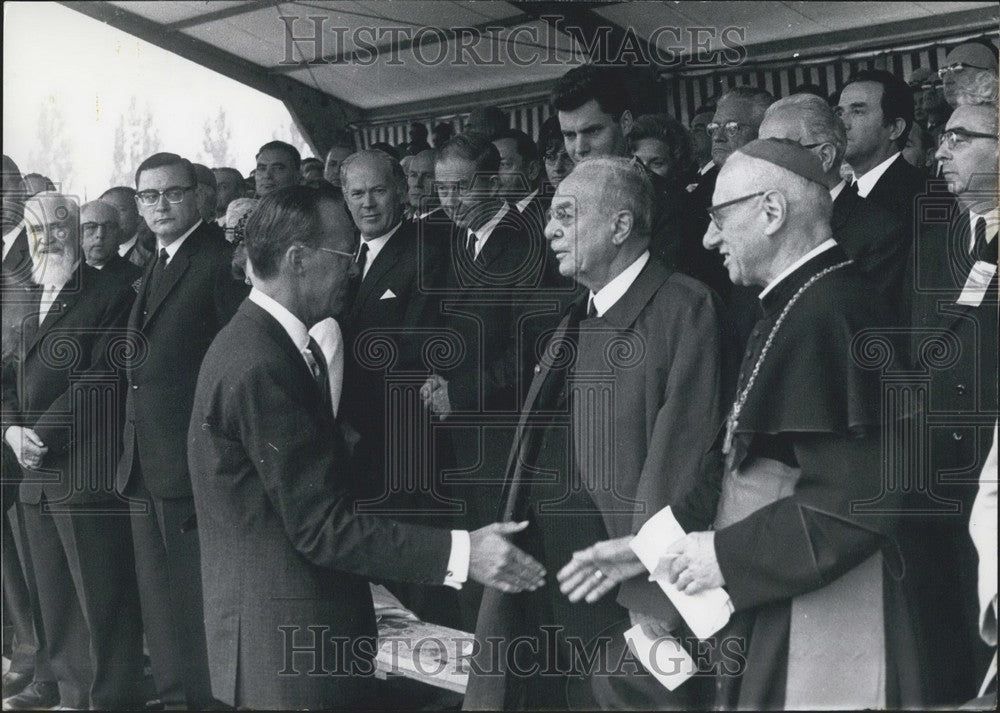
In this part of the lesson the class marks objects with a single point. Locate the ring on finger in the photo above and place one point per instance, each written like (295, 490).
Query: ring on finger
(598, 574)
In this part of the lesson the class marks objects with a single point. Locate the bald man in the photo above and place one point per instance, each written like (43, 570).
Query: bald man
(665, 407)
(100, 236)
(816, 605)
(81, 549)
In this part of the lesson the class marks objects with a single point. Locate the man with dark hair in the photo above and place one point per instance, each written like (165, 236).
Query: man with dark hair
(35, 183)
(100, 234)
(594, 110)
(521, 175)
(134, 230)
(495, 268)
(552, 149)
(876, 239)
(418, 139)
(489, 120)
(205, 193)
(312, 172)
(186, 296)
(228, 187)
(277, 167)
(331, 167)
(77, 536)
(700, 140)
(877, 110)
(441, 132)
(286, 552)
(420, 193)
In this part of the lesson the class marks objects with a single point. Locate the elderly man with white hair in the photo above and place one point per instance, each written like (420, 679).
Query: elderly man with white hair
(642, 348)
(80, 548)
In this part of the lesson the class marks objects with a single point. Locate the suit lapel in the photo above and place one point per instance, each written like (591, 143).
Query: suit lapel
(175, 269)
(387, 257)
(67, 297)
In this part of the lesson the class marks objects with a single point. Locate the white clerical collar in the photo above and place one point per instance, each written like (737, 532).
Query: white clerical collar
(607, 296)
(483, 233)
(123, 248)
(288, 321)
(867, 182)
(523, 203)
(835, 191)
(375, 246)
(821, 248)
(10, 236)
(706, 168)
(176, 245)
(992, 219)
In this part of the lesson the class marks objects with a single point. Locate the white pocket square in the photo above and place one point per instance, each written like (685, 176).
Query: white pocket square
(388, 295)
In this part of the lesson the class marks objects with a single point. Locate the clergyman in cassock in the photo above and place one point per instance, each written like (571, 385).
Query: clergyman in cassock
(810, 570)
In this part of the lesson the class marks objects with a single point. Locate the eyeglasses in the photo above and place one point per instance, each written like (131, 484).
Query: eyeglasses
(563, 216)
(955, 137)
(957, 67)
(731, 128)
(714, 209)
(174, 194)
(92, 227)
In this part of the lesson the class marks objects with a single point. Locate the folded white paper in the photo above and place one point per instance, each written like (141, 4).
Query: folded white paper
(705, 612)
(665, 658)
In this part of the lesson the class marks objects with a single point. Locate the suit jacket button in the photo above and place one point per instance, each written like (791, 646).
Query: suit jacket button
(957, 436)
(135, 386)
(538, 368)
(960, 388)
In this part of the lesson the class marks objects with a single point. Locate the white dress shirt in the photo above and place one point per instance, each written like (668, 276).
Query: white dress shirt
(613, 291)
(461, 544)
(10, 236)
(523, 203)
(992, 224)
(123, 248)
(867, 182)
(835, 191)
(375, 246)
(483, 233)
(175, 245)
(821, 248)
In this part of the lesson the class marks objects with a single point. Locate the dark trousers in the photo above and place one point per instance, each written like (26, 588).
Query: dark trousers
(89, 609)
(17, 599)
(168, 567)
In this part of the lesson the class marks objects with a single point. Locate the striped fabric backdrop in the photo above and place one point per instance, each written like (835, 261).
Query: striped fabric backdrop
(686, 91)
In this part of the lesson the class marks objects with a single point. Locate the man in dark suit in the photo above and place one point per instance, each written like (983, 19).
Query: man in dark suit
(874, 237)
(286, 553)
(521, 174)
(601, 485)
(954, 298)
(877, 110)
(66, 410)
(392, 301)
(136, 243)
(99, 237)
(28, 667)
(497, 273)
(187, 294)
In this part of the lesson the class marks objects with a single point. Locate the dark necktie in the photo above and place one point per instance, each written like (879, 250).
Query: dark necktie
(320, 372)
(157, 275)
(362, 260)
(982, 250)
(851, 187)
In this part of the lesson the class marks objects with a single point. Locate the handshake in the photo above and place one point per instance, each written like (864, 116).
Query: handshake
(495, 562)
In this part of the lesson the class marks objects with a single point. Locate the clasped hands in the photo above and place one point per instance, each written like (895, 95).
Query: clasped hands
(434, 394)
(27, 446)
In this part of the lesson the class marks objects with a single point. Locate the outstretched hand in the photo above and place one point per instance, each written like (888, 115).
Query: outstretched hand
(495, 562)
(595, 571)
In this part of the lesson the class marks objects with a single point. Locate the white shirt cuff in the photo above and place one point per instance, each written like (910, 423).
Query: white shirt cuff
(458, 560)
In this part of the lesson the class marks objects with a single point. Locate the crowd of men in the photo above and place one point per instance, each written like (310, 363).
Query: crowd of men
(473, 372)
